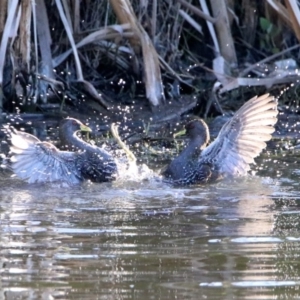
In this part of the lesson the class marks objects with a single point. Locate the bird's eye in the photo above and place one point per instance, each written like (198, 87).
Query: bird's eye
(190, 126)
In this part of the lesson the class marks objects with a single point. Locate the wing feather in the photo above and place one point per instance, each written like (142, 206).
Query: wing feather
(37, 162)
(243, 137)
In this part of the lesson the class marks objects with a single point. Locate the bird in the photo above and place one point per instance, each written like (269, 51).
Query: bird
(241, 139)
(35, 161)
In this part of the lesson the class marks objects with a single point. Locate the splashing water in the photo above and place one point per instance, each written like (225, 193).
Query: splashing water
(129, 170)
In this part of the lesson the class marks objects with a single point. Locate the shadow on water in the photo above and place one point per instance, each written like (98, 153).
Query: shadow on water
(147, 240)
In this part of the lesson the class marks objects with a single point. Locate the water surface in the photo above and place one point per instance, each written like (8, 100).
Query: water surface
(148, 240)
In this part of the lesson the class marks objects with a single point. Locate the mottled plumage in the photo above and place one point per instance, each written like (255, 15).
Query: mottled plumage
(38, 162)
(240, 140)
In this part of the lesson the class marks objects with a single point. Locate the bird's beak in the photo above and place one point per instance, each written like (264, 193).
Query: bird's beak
(179, 133)
(85, 128)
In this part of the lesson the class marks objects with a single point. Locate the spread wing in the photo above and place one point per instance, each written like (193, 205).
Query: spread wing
(37, 162)
(243, 137)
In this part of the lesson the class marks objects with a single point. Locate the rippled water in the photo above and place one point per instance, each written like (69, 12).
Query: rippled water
(147, 240)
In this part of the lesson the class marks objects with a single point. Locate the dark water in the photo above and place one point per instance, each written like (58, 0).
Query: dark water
(147, 240)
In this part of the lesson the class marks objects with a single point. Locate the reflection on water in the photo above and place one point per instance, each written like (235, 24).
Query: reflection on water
(147, 240)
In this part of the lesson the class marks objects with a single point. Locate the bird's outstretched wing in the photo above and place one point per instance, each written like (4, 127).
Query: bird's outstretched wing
(38, 162)
(243, 137)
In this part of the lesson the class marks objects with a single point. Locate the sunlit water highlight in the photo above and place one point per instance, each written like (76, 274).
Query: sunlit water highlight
(140, 238)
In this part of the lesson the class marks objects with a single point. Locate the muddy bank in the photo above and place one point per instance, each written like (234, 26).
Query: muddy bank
(139, 123)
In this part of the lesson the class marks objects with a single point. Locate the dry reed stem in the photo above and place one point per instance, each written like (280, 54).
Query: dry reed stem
(3, 14)
(125, 15)
(197, 11)
(24, 34)
(267, 82)
(210, 26)
(166, 23)
(108, 33)
(7, 33)
(69, 32)
(250, 21)
(267, 59)
(281, 11)
(67, 13)
(190, 20)
(10, 24)
(45, 41)
(87, 85)
(227, 50)
(294, 14)
(153, 82)
(33, 7)
(154, 18)
(76, 18)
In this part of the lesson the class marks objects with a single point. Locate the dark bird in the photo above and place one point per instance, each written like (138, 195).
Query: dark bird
(38, 162)
(240, 140)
